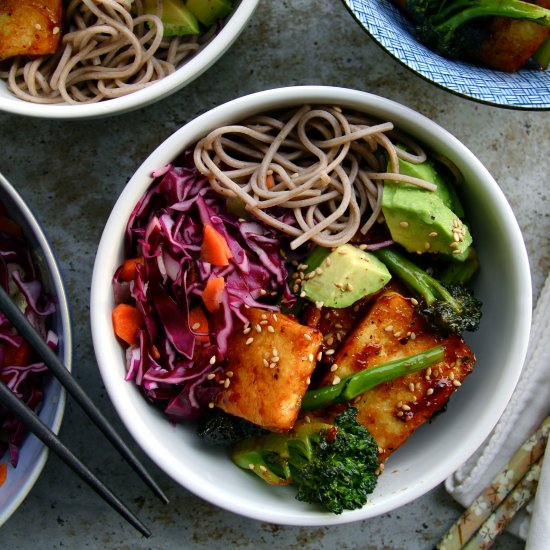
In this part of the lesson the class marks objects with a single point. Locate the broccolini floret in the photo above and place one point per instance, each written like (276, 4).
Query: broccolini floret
(449, 308)
(220, 428)
(332, 465)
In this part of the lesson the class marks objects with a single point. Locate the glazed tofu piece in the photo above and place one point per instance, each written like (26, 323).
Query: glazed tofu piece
(512, 43)
(29, 27)
(391, 330)
(269, 365)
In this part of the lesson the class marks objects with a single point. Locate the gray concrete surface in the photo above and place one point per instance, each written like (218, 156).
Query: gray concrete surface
(72, 173)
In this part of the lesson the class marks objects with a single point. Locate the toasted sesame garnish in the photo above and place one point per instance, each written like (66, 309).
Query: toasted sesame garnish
(334, 367)
(310, 357)
(263, 468)
(404, 224)
(363, 246)
(349, 287)
(328, 261)
(270, 329)
(456, 383)
(302, 294)
(411, 386)
(433, 234)
(452, 376)
(258, 328)
(336, 380)
(329, 351)
(405, 407)
(429, 391)
(427, 245)
(211, 405)
(227, 383)
(414, 301)
(338, 284)
(251, 466)
(400, 413)
(229, 374)
(319, 304)
(212, 359)
(211, 376)
(457, 252)
(247, 330)
(412, 336)
(249, 341)
(454, 244)
(55, 30)
(319, 356)
(329, 340)
(388, 328)
(429, 371)
(196, 326)
(275, 352)
(263, 292)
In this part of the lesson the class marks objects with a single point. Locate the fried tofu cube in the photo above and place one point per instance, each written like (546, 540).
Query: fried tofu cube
(29, 27)
(512, 42)
(392, 329)
(269, 364)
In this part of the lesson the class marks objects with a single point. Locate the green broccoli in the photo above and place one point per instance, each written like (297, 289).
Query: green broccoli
(217, 427)
(333, 465)
(438, 21)
(449, 308)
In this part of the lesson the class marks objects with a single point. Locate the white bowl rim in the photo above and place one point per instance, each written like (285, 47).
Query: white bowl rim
(234, 111)
(64, 314)
(157, 91)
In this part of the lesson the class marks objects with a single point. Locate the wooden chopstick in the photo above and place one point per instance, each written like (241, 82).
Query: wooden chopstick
(28, 332)
(501, 499)
(9, 400)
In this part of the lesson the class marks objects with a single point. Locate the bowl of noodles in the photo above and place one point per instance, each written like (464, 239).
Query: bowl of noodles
(227, 168)
(112, 58)
(29, 271)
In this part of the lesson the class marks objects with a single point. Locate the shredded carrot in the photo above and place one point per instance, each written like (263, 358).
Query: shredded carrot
(199, 324)
(9, 226)
(3, 473)
(127, 320)
(269, 181)
(215, 249)
(155, 353)
(212, 293)
(128, 269)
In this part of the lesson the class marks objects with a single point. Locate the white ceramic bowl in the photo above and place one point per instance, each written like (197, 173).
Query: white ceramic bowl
(185, 74)
(434, 451)
(33, 453)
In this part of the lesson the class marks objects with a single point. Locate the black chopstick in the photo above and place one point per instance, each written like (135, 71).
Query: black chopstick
(36, 426)
(28, 332)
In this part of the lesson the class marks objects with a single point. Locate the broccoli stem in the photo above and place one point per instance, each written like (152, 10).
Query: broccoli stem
(355, 384)
(515, 9)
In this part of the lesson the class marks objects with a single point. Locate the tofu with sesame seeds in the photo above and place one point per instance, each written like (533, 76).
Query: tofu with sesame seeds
(392, 329)
(28, 27)
(271, 361)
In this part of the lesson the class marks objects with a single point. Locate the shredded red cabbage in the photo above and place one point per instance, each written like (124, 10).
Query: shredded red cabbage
(168, 362)
(19, 368)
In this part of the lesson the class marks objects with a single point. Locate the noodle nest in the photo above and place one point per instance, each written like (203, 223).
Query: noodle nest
(324, 167)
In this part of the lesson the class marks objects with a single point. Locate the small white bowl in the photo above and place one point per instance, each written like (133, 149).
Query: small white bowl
(33, 454)
(434, 451)
(160, 89)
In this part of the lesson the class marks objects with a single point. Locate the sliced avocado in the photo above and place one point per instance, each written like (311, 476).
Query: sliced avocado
(176, 18)
(209, 11)
(425, 221)
(344, 276)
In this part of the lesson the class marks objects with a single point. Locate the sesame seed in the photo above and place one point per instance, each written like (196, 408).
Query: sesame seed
(429, 371)
(308, 380)
(212, 359)
(414, 301)
(411, 386)
(275, 318)
(211, 376)
(275, 352)
(399, 404)
(454, 244)
(329, 351)
(263, 316)
(196, 326)
(319, 356)
(397, 334)
(229, 374)
(413, 335)
(337, 108)
(249, 341)
(263, 322)
(342, 252)
(307, 336)
(247, 330)
(310, 357)
(266, 363)
(381, 467)
(251, 466)
(429, 391)
(457, 252)
(270, 329)
(349, 287)
(363, 246)
(400, 413)
(258, 328)
(427, 245)
(319, 271)
(295, 288)
(275, 359)
(55, 30)
(338, 284)
(406, 408)
(272, 365)
(452, 376)
(389, 328)
(227, 383)
(433, 234)
(38, 26)
(456, 383)
(211, 405)
(330, 340)
(334, 367)
(336, 380)
(263, 292)
(456, 237)
(328, 261)
(263, 468)
(319, 304)
(404, 224)
(302, 294)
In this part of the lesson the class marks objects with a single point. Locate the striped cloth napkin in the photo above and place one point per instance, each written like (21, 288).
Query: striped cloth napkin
(529, 405)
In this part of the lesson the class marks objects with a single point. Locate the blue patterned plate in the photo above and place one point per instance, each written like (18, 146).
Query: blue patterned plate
(526, 89)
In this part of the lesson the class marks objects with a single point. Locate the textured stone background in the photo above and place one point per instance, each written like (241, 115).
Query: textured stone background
(71, 174)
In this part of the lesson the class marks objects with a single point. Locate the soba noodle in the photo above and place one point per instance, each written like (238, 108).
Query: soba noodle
(324, 166)
(110, 48)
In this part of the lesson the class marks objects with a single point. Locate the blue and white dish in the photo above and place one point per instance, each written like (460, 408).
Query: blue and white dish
(527, 89)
